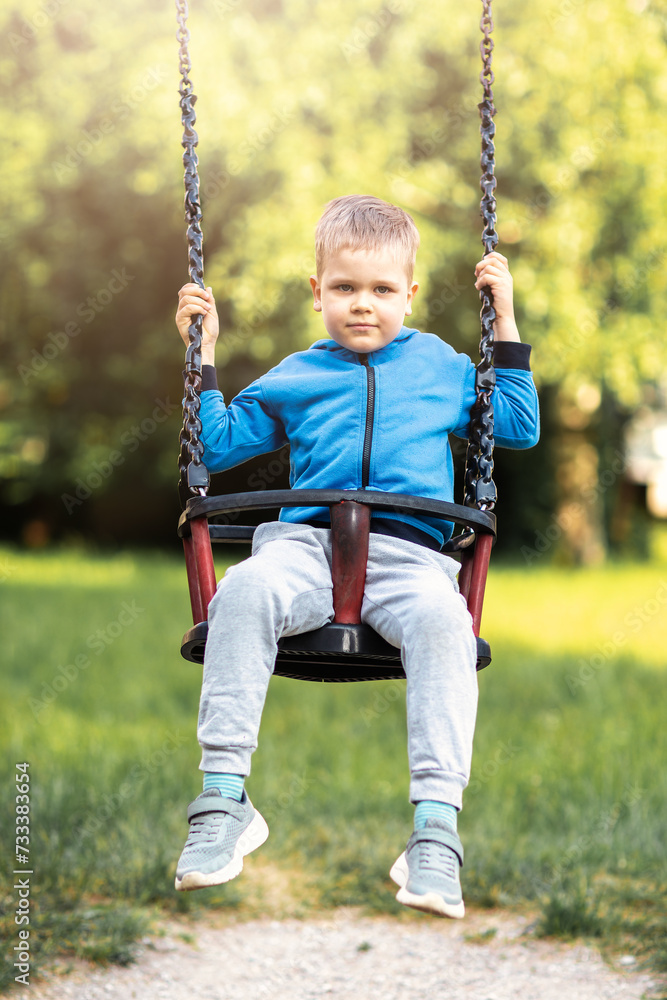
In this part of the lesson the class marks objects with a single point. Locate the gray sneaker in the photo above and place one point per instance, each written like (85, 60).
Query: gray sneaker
(428, 871)
(222, 832)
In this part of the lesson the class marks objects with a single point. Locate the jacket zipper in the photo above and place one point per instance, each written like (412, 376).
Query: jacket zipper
(370, 413)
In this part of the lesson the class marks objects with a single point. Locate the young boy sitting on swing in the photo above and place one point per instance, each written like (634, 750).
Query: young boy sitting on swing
(343, 434)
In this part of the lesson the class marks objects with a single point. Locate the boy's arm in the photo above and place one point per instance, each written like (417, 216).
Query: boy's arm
(232, 434)
(247, 427)
(515, 403)
(516, 413)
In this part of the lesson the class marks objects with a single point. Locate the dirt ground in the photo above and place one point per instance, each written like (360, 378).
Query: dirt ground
(491, 955)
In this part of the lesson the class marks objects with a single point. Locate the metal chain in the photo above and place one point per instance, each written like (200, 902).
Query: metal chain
(480, 489)
(194, 477)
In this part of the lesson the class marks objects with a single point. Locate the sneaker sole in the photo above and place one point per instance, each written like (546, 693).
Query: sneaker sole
(429, 902)
(251, 838)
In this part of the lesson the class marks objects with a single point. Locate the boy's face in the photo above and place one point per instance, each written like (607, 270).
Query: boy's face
(363, 296)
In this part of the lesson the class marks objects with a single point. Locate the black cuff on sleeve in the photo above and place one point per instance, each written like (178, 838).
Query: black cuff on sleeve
(209, 378)
(510, 354)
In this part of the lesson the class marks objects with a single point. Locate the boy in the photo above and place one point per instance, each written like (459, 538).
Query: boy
(370, 408)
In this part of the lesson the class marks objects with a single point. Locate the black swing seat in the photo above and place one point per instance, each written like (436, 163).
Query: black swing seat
(336, 652)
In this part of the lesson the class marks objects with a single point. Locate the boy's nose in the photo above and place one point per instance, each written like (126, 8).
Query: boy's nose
(361, 304)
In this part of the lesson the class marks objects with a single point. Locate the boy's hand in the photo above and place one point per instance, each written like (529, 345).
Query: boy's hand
(192, 300)
(493, 271)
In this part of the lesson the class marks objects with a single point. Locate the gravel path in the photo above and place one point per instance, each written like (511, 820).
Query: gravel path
(349, 957)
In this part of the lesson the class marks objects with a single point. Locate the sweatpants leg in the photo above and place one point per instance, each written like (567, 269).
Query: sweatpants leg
(412, 600)
(284, 588)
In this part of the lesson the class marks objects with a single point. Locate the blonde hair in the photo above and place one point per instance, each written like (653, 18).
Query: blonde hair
(362, 222)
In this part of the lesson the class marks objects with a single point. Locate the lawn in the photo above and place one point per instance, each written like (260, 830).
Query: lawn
(565, 811)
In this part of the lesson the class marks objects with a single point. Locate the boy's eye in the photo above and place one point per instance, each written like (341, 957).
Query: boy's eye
(382, 289)
(345, 288)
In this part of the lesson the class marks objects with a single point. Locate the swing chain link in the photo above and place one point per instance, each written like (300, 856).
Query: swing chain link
(480, 489)
(194, 476)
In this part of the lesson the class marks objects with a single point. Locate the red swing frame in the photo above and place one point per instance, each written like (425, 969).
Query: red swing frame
(350, 512)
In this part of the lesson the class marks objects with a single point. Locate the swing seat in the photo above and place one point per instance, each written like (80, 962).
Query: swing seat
(334, 653)
(342, 650)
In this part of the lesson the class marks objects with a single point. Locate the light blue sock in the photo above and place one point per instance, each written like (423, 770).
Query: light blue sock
(428, 809)
(230, 785)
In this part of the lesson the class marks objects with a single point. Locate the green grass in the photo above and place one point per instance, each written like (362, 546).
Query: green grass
(564, 813)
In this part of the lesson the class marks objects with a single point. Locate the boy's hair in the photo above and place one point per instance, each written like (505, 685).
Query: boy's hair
(362, 222)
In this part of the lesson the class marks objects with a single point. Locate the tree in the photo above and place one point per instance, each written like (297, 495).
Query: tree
(297, 106)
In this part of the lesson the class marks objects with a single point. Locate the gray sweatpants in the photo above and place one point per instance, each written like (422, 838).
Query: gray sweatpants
(411, 599)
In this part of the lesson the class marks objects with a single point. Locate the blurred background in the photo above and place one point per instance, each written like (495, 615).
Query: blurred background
(298, 103)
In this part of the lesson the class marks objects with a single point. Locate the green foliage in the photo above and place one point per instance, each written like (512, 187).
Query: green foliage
(101, 934)
(296, 107)
(570, 917)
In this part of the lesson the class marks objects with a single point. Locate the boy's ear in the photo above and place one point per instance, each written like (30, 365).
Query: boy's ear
(412, 291)
(317, 293)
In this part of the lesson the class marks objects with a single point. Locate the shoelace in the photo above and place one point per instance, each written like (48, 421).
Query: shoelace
(204, 829)
(438, 858)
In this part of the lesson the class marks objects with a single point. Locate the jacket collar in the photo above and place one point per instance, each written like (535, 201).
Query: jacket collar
(386, 353)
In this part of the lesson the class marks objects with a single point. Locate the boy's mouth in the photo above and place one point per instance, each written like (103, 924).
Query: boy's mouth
(363, 326)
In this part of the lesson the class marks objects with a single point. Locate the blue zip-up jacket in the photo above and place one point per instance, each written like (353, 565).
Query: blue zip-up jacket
(378, 421)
